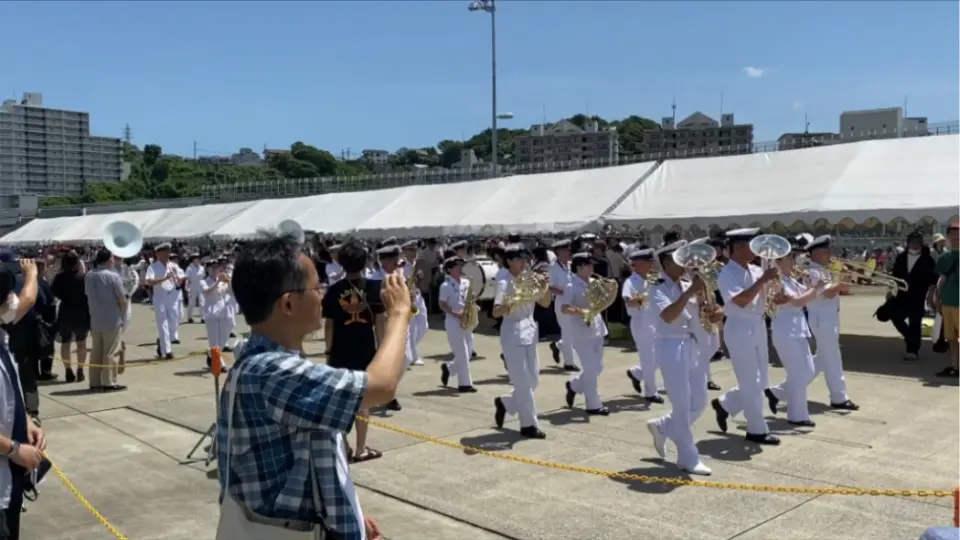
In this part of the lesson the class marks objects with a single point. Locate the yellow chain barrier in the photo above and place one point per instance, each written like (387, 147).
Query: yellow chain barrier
(83, 500)
(663, 480)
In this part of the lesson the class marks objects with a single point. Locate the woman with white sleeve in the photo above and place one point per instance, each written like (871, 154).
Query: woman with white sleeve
(587, 336)
(791, 338)
(453, 298)
(218, 308)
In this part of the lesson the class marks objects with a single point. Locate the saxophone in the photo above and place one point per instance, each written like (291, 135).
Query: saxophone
(471, 311)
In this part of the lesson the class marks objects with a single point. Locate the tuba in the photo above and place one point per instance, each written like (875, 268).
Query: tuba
(770, 247)
(699, 258)
(123, 239)
(292, 228)
(601, 293)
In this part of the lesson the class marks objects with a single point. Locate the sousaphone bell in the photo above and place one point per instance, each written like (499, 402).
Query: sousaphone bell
(291, 227)
(123, 239)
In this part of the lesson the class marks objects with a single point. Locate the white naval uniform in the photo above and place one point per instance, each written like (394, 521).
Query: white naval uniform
(745, 333)
(643, 326)
(131, 281)
(518, 339)
(334, 273)
(418, 324)
(824, 318)
(684, 371)
(218, 311)
(587, 342)
(453, 293)
(195, 297)
(709, 343)
(233, 299)
(560, 277)
(791, 338)
(166, 302)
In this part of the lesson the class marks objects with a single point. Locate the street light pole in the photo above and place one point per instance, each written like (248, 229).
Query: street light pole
(490, 7)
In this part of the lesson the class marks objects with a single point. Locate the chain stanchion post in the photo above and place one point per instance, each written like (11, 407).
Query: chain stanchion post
(956, 507)
(216, 368)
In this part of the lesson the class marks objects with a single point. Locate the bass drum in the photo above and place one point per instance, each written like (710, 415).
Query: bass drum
(482, 273)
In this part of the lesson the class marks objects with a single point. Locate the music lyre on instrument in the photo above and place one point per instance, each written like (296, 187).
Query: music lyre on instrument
(699, 258)
(770, 247)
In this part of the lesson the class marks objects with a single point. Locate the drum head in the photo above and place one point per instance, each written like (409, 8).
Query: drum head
(474, 271)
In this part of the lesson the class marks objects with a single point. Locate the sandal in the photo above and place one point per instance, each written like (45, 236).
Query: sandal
(367, 454)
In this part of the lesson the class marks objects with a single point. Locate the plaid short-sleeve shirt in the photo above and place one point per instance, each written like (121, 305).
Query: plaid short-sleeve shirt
(287, 411)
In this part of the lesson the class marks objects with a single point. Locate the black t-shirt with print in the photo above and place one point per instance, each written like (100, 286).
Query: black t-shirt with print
(346, 305)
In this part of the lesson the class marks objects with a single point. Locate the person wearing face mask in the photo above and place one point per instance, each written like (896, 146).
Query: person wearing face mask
(906, 308)
(21, 440)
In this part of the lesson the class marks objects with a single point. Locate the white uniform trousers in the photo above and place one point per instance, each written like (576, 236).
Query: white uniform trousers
(523, 367)
(646, 369)
(685, 379)
(797, 360)
(470, 347)
(590, 351)
(166, 309)
(457, 337)
(825, 328)
(416, 331)
(566, 343)
(218, 330)
(709, 347)
(195, 299)
(749, 352)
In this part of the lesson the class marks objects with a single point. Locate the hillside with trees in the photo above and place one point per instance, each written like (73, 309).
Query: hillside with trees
(155, 175)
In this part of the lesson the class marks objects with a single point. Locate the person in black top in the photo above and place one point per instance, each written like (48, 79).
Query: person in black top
(353, 313)
(73, 317)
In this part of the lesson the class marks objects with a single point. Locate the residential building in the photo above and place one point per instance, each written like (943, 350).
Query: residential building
(887, 123)
(377, 158)
(50, 152)
(245, 156)
(567, 142)
(697, 135)
(794, 141)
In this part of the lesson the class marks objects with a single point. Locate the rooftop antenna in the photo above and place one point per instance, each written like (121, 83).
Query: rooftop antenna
(673, 107)
(806, 124)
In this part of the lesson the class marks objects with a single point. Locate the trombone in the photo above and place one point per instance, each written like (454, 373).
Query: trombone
(699, 259)
(770, 247)
(855, 273)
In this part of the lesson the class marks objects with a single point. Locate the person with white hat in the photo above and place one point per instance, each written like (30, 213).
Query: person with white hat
(560, 277)
(453, 298)
(643, 324)
(587, 336)
(165, 278)
(418, 324)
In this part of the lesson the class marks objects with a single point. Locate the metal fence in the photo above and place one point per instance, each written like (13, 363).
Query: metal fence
(302, 187)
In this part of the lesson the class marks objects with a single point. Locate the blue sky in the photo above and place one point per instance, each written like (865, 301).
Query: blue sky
(365, 74)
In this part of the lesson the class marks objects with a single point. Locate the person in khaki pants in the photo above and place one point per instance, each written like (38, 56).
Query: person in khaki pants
(107, 301)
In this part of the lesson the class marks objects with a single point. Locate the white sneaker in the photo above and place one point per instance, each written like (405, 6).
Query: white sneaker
(659, 440)
(418, 362)
(698, 469)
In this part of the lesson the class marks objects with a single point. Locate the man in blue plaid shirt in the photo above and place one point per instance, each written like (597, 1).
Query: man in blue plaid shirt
(285, 439)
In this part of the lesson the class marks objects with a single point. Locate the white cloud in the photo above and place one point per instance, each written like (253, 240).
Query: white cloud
(797, 105)
(753, 72)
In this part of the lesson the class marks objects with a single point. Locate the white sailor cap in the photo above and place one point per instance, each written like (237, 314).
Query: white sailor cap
(515, 251)
(335, 247)
(561, 244)
(166, 246)
(820, 242)
(804, 239)
(670, 248)
(389, 241)
(582, 258)
(587, 237)
(742, 235)
(410, 244)
(450, 262)
(644, 254)
(461, 244)
(388, 252)
(704, 240)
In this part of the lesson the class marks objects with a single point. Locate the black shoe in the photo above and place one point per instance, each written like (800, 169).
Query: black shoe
(202, 321)
(845, 406)
(717, 356)
(654, 399)
(713, 386)
(189, 321)
(209, 361)
(232, 334)
(394, 406)
(570, 396)
(444, 374)
(504, 360)
(175, 342)
(473, 355)
(635, 382)
(571, 368)
(80, 376)
(500, 413)
(47, 376)
(533, 432)
(950, 372)
(114, 388)
(772, 400)
(802, 423)
(602, 411)
(169, 356)
(228, 349)
(722, 415)
(466, 390)
(763, 438)
(555, 351)
(69, 375)
(96, 389)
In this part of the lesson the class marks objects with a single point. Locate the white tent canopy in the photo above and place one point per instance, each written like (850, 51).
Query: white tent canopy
(912, 179)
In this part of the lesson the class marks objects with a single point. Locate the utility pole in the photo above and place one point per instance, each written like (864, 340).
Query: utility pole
(806, 124)
(194, 150)
(127, 134)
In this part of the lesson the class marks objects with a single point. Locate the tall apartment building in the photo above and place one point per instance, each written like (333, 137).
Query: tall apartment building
(50, 152)
(697, 135)
(887, 123)
(567, 142)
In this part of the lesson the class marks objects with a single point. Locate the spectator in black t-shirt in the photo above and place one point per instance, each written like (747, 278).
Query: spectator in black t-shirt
(353, 312)
(73, 317)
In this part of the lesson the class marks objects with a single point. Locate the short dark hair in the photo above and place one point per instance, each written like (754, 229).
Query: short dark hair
(352, 257)
(102, 257)
(8, 282)
(264, 271)
(70, 260)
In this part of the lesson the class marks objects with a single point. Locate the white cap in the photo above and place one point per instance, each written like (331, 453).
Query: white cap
(670, 248)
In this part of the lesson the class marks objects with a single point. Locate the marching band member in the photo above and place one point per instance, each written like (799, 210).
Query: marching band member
(131, 282)
(791, 338)
(643, 325)
(334, 270)
(195, 294)
(418, 324)
(676, 305)
(453, 301)
(388, 260)
(742, 287)
(518, 339)
(164, 277)
(218, 306)
(560, 277)
(824, 319)
(459, 249)
(709, 342)
(587, 336)
(181, 294)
